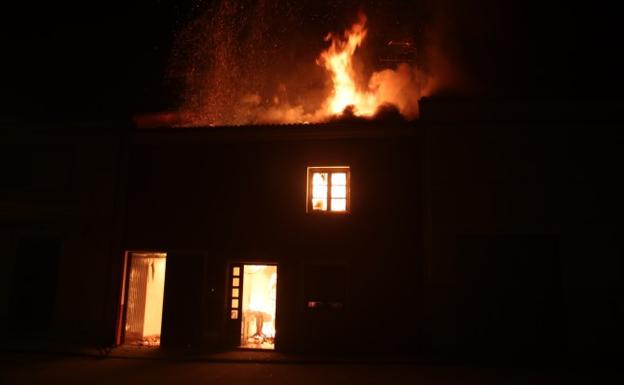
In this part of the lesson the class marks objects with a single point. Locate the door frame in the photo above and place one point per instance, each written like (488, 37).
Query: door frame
(236, 324)
(122, 300)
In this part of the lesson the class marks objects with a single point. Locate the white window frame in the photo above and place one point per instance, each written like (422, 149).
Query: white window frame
(329, 170)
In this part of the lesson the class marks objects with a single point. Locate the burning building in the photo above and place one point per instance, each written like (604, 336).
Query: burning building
(283, 239)
(226, 85)
(483, 228)
(469, 231)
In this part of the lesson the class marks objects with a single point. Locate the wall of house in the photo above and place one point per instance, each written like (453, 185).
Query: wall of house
(487, 239)
(524, 257)
(471, 238)
(222, 201)
(6, 276)
(57, 215)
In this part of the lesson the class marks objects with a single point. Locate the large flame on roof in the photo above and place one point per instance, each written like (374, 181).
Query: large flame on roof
(401, 87)
(338, 60)
(236, 77)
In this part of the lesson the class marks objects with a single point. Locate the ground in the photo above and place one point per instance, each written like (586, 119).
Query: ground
(23, 368)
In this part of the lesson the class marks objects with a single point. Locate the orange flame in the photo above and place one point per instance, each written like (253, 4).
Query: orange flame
(338, 60)
(235, 93)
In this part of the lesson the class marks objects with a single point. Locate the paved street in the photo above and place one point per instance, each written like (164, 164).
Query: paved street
(55, 369)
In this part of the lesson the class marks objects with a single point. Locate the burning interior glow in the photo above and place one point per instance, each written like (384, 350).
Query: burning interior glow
(329, 190)
(146, 288)
(258, 306)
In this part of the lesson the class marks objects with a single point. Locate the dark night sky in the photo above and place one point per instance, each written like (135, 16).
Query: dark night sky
(107, 59)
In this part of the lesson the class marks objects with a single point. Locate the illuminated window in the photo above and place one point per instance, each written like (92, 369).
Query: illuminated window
(328, 189)
(236, 284)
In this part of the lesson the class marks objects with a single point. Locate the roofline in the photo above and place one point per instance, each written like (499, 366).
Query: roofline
(324, 131)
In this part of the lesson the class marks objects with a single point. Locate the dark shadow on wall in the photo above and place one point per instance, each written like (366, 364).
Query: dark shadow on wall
(510, 296)
(34, 287)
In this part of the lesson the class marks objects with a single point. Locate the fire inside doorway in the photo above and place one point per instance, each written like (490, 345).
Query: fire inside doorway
(254, 293)
(144, 302)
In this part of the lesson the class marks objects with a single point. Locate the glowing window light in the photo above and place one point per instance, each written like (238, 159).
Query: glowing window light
(339, 178)
(339, 205)
(328, 189)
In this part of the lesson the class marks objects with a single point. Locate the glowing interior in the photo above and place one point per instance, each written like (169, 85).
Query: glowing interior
(319, 191)
(338, 191)
(146, 289)
(329, 191)
(258, 300)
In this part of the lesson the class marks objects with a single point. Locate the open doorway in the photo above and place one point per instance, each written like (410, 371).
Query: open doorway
(145, 283)
(254, 294)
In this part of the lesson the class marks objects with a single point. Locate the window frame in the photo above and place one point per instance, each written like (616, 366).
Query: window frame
(329, 170)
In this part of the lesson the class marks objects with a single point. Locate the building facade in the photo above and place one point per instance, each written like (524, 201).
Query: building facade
(478, 230)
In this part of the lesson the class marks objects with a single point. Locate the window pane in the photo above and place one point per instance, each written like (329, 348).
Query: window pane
(319, 178)
(234, 314)
(235, 292)
(319, 204)
(234, 303)
(236, 271)
(338, 205)
(319, 191)
(236, 282)
(339, 178)
(339, 191)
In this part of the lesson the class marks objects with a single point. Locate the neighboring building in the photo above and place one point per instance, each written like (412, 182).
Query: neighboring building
(479, 230)
(60, 212)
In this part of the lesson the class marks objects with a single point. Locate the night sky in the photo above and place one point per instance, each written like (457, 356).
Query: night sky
(89, 60)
